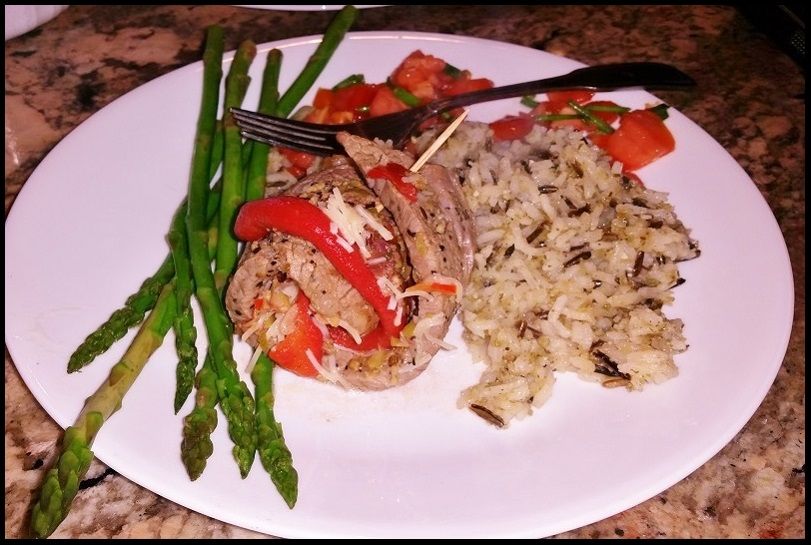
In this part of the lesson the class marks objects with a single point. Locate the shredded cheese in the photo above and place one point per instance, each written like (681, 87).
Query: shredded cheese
(376, 260)
(322, 327)
(351, 330)
(422, 327)
(439, 342)
(329, 376)
(345, 244)
(256, 353)
(373, 223)
(350, 224)
(409, 292)
(385, 283)
(256, 323)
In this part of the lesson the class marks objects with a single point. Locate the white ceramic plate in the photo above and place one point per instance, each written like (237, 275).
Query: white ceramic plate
(21, 19)
(89, 226)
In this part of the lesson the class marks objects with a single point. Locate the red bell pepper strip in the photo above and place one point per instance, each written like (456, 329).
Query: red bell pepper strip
(395, 173)
(291, 352)
(299, 217)
(438, 287)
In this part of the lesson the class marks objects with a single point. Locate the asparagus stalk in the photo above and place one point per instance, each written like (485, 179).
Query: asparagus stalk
(130, 315)
(233, 192)
(273, 452)
(268, 99)
(196, 447)
(217, 150)
(185, 332)
(62, 481)
(235, 398)
(332, 37)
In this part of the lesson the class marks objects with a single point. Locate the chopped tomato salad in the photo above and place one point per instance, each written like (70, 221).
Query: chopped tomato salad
(634, 137)
(419, 79)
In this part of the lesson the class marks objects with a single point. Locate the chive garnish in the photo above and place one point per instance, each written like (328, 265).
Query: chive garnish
(350, 80)
(452, 71)
(660, 110)
(529, 101)
(607, 108)
(407, 98)
(601, 125)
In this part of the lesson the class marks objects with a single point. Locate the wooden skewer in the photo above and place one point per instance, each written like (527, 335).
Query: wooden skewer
(438, 142)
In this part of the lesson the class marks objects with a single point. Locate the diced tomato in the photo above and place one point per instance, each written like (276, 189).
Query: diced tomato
(258, 303)
(641, 138)
(581, 96)
(318, 115)
(512, 127)
(545, 107)
(339, 118)
(458, 87)
(416, 69)
(353, 97)
(291, 352)
(323, 98)
(296, 171)
(300, 159)
(599, 139)
(426, 91)
(385, 102)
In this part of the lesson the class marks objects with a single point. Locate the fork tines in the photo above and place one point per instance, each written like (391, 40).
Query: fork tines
(307, 137)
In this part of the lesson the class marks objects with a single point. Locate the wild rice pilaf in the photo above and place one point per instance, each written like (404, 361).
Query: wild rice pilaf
(575, 262)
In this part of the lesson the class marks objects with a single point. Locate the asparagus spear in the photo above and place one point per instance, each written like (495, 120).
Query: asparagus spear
(233, 189)
(332, 37)
(268, 99)
(217, 150)
(62, 481)
(235, 398)
(130, 315)
(273, 452)
(185, 332)
(199, 424)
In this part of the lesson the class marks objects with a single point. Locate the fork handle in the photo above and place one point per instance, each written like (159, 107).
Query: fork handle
(604, 77)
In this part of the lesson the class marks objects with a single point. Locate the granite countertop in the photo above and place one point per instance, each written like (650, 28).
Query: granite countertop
(750, 98)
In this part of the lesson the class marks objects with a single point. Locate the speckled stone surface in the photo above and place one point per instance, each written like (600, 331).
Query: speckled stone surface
(750, 98)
